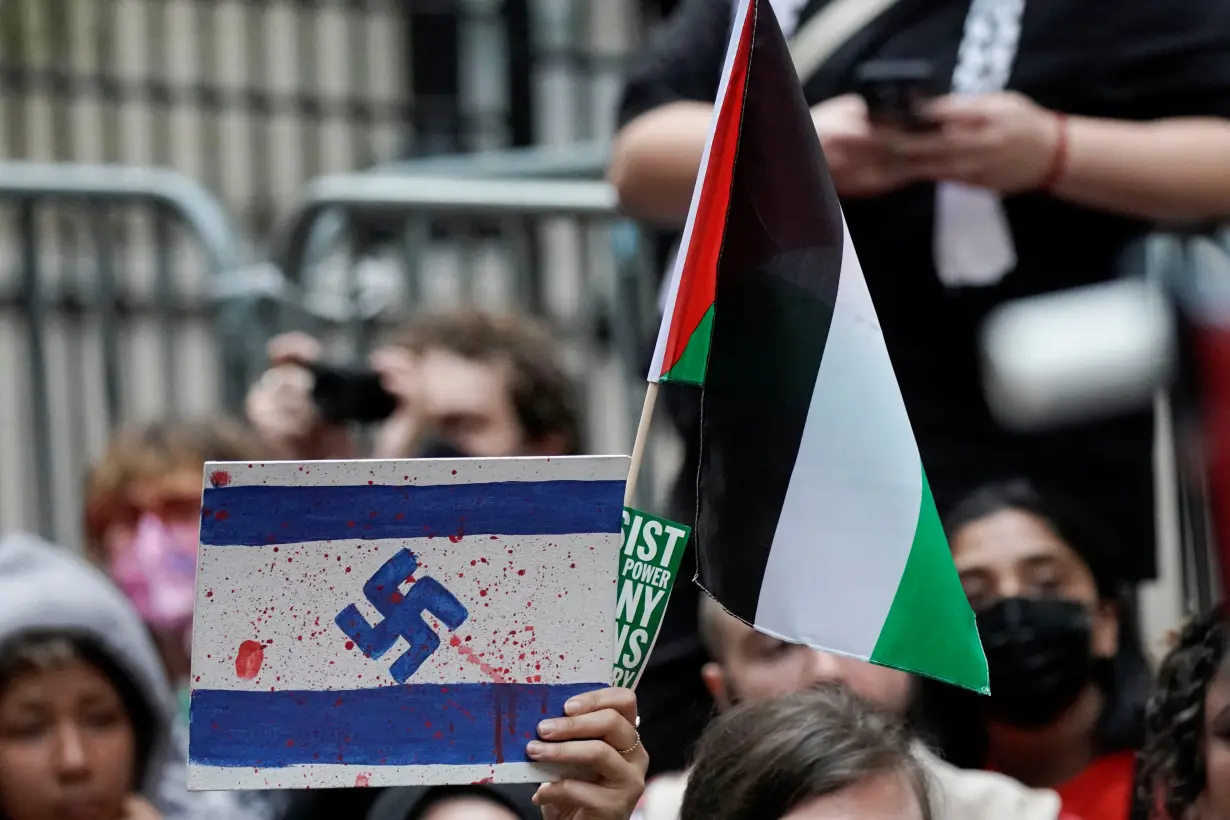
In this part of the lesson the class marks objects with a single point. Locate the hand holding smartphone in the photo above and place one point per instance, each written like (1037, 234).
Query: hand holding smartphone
(897, 92)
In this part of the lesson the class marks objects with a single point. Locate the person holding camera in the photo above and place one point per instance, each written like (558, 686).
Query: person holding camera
(456, 384)
(453, 384)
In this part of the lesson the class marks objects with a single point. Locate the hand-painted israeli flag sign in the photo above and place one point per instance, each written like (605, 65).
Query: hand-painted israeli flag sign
(397, 622)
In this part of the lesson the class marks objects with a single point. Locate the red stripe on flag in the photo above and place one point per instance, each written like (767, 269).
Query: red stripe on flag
(698, 281)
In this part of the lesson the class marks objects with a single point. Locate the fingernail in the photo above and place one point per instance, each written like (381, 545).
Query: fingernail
(535, 748)
(572, 706)
(548, 726)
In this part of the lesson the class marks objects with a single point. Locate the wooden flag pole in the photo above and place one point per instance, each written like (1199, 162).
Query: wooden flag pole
(642, 439)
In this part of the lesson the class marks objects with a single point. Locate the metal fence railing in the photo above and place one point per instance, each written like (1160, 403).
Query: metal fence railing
(555, 248)
(105, 315)
(256, 97)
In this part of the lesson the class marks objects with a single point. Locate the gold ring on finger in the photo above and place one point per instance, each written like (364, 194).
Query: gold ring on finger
(634, 746)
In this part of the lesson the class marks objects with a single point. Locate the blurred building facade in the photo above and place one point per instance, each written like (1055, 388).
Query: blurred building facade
(254, 97)
(108, 310)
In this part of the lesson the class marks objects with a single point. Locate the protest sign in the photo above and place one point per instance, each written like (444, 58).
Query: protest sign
(376, 623)
(648, 565)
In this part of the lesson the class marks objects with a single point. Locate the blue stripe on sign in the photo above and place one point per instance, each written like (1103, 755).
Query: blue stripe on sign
(258, 515)
(417, 724)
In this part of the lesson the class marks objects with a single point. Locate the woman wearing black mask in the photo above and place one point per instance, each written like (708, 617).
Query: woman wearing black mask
(1069, 679)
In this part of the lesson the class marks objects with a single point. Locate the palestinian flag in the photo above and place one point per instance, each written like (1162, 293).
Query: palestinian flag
(815, 522)
(683, 340)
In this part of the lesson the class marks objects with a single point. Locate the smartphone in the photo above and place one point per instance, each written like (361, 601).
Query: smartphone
(345, 395)
(896, 91)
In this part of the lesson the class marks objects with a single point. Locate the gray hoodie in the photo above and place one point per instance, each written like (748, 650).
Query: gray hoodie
(45, 587)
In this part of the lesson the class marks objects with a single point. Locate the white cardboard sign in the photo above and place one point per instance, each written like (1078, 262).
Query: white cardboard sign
(379, 623)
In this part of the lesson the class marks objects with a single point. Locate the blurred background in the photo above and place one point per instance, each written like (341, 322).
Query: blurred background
(183, 179)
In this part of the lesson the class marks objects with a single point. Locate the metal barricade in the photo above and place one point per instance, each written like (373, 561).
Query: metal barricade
(105, 315)
(554, 248)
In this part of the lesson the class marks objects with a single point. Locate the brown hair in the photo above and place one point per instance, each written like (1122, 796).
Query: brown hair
(766, 758)
(542, 395)
(143, 451)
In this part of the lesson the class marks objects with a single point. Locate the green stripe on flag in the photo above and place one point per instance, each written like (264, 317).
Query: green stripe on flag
(690, 369)
(930, 628)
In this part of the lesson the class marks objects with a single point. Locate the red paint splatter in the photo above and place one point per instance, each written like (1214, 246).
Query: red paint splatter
(521, 572)
(248, 660)
(469, 654)
(362, 781)
(219, 478)
(209, 594)
(221, 515)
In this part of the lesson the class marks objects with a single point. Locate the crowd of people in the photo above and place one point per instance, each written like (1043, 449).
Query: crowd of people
(1097, 125)
(94, 674)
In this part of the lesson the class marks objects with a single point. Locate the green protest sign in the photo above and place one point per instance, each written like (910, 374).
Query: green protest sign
(648, 564)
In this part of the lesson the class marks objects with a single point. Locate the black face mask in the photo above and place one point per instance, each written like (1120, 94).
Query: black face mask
(440, 448)
(1040, 658)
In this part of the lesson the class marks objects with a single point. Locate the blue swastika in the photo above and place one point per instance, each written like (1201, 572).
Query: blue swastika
(403, 615)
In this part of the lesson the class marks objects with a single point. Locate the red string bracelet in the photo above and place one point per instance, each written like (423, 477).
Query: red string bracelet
(1059, 156)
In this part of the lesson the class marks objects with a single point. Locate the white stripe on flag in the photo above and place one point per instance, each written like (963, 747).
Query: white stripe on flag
(851, 509)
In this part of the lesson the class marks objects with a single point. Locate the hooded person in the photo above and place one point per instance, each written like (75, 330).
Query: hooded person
(87, 718)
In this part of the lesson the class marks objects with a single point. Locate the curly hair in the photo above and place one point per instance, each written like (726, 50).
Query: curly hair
(1172, 770)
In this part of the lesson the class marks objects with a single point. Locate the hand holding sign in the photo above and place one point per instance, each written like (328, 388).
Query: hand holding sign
(598, 727)
(397, 622)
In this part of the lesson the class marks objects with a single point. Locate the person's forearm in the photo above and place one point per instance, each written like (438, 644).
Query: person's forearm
(1169, 170)
(655, 159)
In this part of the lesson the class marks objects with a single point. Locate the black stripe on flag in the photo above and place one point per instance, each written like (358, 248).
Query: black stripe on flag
(776, 286)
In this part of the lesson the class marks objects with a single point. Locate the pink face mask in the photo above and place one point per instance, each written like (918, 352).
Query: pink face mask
(157, 571)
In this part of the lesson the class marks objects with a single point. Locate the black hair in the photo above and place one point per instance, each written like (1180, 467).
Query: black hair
(1172, 766)
(1125, 679)
(39, 649)
(413, 802)
(1074, 529)
(439, 794)
(765, 758)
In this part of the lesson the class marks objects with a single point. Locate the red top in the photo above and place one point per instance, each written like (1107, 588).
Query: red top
(1103, 791)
